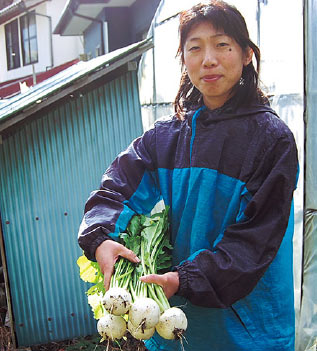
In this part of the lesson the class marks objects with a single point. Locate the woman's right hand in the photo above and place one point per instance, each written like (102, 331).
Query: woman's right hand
(107, 254)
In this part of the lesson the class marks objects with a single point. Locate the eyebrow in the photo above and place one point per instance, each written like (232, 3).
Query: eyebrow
(212, 36)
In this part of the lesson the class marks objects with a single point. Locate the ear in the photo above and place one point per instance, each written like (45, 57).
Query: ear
(248, 56)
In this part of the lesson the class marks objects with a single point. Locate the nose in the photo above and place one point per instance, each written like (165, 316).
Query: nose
(209, 58)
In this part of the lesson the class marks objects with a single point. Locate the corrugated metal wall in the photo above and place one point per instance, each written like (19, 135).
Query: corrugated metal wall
(48, 168)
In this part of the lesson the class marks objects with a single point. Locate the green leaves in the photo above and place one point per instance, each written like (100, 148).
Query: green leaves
(133, 242)
(156, 240)
(163, 259)
(152, 233)
(135, 225)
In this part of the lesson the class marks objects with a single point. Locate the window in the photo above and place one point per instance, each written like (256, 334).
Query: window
(12, 44)
(28, 38)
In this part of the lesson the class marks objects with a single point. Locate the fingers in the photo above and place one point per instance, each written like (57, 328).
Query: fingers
(112, 250)
(168, 281)
(108, 271)
(153, 278)
(128, 254)
(107, 254)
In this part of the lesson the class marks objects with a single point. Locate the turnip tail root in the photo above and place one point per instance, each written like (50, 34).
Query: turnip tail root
(140, 333)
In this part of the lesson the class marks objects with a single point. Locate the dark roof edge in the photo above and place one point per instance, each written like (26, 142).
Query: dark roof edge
(16, 9)
(11, 11)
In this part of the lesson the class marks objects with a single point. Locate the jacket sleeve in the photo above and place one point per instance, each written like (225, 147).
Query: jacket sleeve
(128, 187)
(221, 276)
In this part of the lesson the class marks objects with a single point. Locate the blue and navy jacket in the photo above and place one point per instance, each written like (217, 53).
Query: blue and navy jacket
(228, 177)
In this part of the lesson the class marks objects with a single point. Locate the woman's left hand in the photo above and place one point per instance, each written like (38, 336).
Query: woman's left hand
(168, 281)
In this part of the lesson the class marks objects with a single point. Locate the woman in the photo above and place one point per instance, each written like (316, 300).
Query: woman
(227, 167)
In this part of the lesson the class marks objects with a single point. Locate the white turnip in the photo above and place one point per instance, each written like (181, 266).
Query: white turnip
(172, 324)
(144, 313)
(117, 301)
(111, 327)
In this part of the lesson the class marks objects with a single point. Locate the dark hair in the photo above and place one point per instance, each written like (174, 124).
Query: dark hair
(229, 19)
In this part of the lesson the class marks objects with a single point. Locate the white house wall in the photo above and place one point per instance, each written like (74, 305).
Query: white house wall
(73, 44)
(64, 48)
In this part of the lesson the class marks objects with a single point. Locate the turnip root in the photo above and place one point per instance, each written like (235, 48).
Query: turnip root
(140, 333)
(111, 327)
(117, 301)
(144, 313)
(172, 324)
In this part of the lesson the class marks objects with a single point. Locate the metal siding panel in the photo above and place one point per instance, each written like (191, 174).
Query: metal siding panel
(48, 169)
(21, 221)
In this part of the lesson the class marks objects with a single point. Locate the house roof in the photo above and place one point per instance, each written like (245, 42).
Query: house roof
(17, 8)
(12, 87)
(78, 15)
(64, 83)
(12, 10)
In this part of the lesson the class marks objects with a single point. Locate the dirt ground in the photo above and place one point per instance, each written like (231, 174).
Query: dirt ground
(88, 343)
(5, 339)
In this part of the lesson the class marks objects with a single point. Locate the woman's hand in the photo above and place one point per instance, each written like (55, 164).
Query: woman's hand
(168, 281)
(107, 254)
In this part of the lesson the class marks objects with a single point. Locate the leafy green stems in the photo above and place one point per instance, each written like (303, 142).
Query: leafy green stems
(148, 238)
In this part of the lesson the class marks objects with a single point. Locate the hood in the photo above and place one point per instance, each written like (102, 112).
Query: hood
(227, 112)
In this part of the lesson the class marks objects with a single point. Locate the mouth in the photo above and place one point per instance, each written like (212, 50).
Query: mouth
(211, 78)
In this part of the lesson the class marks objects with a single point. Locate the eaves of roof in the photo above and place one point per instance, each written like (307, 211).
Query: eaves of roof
(65, 82)
(66, 16)
(70, 10)
(13, 10)
(78, 9)
(17, 8)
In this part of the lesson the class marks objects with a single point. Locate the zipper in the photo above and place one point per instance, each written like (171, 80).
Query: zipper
(194, 119)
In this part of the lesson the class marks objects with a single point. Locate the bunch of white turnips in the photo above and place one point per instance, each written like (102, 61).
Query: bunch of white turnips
(141, 318)
(131, 304)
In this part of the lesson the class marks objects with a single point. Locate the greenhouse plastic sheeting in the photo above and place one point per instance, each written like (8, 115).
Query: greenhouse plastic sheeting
(311, 109)
(290, 109)
(307, 331)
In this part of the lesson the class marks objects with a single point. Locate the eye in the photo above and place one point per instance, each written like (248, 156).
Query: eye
(222, 44)
(194, 48)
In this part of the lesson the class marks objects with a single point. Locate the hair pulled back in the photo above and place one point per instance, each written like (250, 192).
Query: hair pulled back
(227, 18)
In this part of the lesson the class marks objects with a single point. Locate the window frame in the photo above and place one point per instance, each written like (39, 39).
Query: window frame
(12, 41)
(26, 42)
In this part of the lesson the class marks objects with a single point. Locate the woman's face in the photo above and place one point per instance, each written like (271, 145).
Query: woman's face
(214, 62)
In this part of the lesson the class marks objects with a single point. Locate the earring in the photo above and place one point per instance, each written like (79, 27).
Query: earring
(241, 81)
